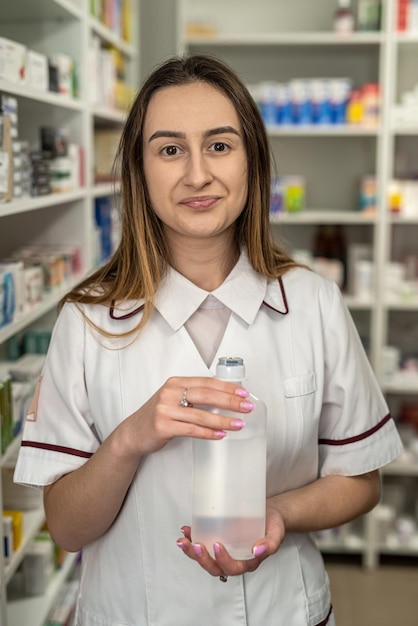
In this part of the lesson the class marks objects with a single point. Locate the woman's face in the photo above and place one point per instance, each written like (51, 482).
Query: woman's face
(195, 162)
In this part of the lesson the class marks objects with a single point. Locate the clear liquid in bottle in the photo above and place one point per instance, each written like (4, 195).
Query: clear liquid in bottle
(229, 478)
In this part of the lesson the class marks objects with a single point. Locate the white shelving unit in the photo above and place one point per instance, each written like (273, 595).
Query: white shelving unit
(51, 27)
(278, 40)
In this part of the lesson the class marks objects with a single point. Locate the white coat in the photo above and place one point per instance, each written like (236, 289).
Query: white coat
(326, 415)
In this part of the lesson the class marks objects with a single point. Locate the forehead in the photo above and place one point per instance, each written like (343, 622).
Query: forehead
(194, 107)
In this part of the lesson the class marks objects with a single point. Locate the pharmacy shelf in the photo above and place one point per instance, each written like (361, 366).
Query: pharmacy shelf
(105, 189)
(406, 38)
(403, 220)
(32, 522)
(394, 546)
(48, 302)
(325, 130)
(321, 216)
(28, 204)
(55, 99)
(276, 45)
(405, 130)
(410, 304)
(325, 38)
(38, 607)
(353, 544)
(355, 303)
(43, 9)
(8, 459)
(111, 38)
(397, 468)
(402, 384)
(52, 27)
(108, 115)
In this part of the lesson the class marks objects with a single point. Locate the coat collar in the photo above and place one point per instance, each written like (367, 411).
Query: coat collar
(244, 291)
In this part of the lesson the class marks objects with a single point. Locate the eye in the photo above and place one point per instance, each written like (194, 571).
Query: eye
(219, 146)
(170, 150)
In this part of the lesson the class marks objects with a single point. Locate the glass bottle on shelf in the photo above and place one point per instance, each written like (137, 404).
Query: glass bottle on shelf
(344, 18)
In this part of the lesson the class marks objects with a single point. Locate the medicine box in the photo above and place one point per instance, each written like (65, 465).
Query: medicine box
(6, 163)
(34, 285)
(15, 268)
(37, 72)
(9, 108)
(7, 296)
(12, 61)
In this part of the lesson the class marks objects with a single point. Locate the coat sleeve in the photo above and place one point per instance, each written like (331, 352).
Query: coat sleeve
(59, 435)
(356, 431)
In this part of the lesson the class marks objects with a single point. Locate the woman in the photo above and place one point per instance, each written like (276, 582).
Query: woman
(197, 275)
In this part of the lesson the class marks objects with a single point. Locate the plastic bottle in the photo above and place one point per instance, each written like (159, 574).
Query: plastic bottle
(229, 477)
(371, 104)
(368, 15)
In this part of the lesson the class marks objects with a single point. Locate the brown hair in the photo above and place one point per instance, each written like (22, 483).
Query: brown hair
(136, 268)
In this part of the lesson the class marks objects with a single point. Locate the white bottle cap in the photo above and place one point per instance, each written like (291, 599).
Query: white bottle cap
(230, 368)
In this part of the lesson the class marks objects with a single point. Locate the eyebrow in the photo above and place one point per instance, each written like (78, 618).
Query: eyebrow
(208, 133)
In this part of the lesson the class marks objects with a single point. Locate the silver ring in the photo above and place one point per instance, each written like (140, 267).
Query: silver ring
(184, 401)
(223, 578)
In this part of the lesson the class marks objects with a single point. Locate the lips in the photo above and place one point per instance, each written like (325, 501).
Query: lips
(200, 202)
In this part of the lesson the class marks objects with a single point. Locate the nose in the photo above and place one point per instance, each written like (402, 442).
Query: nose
(197, 171)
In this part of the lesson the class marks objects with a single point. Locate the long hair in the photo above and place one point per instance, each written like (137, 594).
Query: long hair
(140, 261)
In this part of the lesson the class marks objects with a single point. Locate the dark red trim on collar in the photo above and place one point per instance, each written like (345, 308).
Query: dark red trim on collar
(127, 315)
(140, 308)
(367, 433)
(326, 620)
(54, 448)
(286, 309)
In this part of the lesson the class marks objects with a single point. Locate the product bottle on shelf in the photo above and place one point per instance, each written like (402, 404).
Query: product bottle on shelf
(330, 245)
(368, 15)
(344, 17)
(229, 477)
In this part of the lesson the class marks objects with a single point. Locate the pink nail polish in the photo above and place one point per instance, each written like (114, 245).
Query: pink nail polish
(197, 549)
(180, 545)
(220, 434)
(248, 406)
(238, 423)
(243, 393)
(259, 550)
(216, 548)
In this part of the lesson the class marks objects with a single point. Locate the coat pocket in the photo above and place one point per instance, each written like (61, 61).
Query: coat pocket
(302, 385)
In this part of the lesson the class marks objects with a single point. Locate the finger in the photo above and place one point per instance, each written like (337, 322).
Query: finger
(233, 567)
(207, 419)
(231, 399)
(198, 552)
(208, 391)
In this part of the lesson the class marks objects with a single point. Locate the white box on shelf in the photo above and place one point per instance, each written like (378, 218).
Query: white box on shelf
(12, 61)
(37, 72)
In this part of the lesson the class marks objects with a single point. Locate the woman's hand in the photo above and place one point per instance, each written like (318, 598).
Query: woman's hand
(76, 510)
(163, 417)
(222, 564)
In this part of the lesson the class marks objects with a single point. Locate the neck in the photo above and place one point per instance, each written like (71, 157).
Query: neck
(204, 263)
